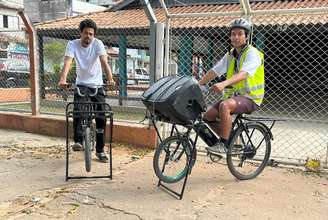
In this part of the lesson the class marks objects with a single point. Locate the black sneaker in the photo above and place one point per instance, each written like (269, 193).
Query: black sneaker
(102, 157)
(77, 147)
(218, 148)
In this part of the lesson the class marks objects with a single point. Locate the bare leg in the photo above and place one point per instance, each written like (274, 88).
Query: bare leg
(211, 115)
(227, 107)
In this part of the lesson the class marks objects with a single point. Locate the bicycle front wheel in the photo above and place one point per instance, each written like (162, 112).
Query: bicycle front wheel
(87, 149)
(171, 159)
(249, 151)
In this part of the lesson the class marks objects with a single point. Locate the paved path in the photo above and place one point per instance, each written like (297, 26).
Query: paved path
(32, 186)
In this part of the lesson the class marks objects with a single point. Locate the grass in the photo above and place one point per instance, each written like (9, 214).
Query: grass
(26, 107)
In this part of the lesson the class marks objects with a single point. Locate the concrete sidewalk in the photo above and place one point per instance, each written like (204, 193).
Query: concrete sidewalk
(33, 187)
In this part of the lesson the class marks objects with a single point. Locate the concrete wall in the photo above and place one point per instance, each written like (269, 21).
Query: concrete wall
(39, 11)
(139, 135)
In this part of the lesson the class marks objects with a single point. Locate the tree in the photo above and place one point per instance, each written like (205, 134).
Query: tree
(54, 51)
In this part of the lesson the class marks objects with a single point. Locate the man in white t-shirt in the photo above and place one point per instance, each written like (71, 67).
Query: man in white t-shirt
(243, 87)
(91, 58)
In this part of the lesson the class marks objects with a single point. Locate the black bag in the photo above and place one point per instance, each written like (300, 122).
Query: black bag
(176, 100)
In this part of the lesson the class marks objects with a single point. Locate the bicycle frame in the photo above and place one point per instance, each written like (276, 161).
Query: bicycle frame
(238, 122)
(87, 114)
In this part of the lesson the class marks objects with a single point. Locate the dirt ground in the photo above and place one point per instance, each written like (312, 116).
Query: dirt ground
(33, 186)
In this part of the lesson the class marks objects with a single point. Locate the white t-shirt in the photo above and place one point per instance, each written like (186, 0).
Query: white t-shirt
(88, 67)
(251, 63)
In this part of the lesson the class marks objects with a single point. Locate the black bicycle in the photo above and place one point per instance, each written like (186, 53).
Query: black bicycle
(181, 102)
(87, 114)
(247, 155)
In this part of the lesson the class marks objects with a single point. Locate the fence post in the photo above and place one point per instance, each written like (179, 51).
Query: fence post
(185, 55)
(152, 52)
(41, 67)
(152, 32)
(159, 50)
(167, 47)
(122, 67)
(35, 98)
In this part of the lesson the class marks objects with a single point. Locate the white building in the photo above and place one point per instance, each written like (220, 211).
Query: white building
(80, 7)
(9, 19)
(12, 38)
(105, 3)
(46, 10)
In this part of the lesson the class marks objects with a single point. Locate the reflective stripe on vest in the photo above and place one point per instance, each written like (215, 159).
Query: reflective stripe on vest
(248, 89)
(253, 86)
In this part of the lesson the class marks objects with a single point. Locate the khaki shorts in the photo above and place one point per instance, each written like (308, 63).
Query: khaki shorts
(244, 105)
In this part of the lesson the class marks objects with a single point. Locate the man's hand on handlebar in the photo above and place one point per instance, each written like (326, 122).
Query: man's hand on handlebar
(63, 84)
(218, 87)
(110, 83)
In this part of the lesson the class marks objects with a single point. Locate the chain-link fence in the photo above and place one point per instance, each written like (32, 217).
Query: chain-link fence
(295, 64)
(295, 73)
(15, 94)
(130, 71)
(128, 60)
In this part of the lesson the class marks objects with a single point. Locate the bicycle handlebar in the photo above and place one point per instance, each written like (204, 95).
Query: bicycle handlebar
(206, 92)
(73, 86)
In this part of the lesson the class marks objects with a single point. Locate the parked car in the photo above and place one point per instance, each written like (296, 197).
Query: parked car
(139, 75)
(14, 73)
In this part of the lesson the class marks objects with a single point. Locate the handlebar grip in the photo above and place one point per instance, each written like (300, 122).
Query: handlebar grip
(87, 94)
(79, 92)
(69, 85)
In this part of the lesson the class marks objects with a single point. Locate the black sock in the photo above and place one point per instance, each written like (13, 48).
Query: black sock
(225, 141)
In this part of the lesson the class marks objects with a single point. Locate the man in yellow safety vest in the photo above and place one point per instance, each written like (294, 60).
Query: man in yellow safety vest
(244, 68)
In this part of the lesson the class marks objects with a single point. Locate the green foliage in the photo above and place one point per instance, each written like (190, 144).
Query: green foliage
(54, 51)
(72, 73)
(53, 78)
(57, 69)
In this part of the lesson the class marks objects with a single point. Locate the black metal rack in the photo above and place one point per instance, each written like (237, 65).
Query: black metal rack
(108, 113)
(179, 195)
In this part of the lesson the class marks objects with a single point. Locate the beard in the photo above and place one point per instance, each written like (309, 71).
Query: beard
(86, 42)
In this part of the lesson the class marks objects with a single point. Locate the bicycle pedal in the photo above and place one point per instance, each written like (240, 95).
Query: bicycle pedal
(215, 158)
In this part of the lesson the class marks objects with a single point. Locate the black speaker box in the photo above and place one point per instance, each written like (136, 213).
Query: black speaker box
(175, 99)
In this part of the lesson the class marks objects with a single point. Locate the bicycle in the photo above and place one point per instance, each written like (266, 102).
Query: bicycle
(88, 113)
(176, 155)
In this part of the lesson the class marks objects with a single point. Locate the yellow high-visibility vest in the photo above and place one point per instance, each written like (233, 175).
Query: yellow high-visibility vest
(253, 86)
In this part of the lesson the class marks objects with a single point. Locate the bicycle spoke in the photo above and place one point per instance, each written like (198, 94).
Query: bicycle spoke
(172, 158)
(248, 151)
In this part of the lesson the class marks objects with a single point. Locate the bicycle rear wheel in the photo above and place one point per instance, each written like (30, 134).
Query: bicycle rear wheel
(249, 151)
(171, 159)
(87, 149)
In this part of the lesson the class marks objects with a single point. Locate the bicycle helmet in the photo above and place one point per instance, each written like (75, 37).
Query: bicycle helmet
(241, 23)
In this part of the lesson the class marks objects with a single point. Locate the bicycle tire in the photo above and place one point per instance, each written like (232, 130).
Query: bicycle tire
(87, 149)
(181, 152)
(93, 137)
(248, 151)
